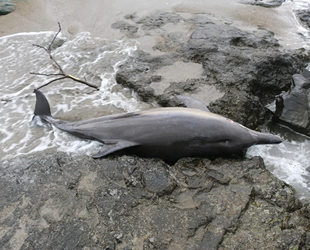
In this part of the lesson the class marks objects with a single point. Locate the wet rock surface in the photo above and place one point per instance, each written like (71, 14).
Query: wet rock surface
(236, 66)
(59, 202)
(265, 3)
(6, 7)
(304, 17)
(292, 108)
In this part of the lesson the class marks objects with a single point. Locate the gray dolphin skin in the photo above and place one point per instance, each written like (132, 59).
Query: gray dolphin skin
(165, 133)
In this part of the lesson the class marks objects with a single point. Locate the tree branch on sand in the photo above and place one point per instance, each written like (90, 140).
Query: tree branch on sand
(62, 74)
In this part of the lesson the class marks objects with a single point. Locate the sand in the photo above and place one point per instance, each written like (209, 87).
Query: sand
(96, 16)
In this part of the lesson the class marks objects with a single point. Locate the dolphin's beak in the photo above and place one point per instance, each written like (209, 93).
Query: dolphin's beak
(266, 138)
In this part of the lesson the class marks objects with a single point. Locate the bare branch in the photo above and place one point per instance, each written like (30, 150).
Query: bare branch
(40, 46)
(82, 81)
(62, 72)
(54, 80)
(59, 29)
(57, 64)
(43, 74)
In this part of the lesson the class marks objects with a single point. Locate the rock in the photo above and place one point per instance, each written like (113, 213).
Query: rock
(234, 64)
(292, 107)
(306, 73)
(241, 107)
(304, 16)
(158, 19)
(125, 27)
(6, 7)
(54, 200)
(266, 3)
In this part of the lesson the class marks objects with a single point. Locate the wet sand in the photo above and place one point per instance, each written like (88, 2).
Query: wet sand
(96, 16)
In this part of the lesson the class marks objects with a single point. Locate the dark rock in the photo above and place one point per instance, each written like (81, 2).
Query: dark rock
(266, 3)
(6, 7)
(54, 201)
(158, 181)
(292, 107)
(138, 76)
(306, 73)
(159, 19)
(241, 107)
(300, 81)
(249, 67)
(58, 42)
(125, 27)
(304, 16)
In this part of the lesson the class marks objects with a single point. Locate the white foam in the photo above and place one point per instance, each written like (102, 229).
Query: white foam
(289, 161)
(302, 5)
(83, 56)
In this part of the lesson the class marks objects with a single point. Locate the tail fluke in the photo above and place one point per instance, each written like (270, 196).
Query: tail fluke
(42, 106)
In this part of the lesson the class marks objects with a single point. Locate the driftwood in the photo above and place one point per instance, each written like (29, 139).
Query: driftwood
(59, 76)
(62, 74)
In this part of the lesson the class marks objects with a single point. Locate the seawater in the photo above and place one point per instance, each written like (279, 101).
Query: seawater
(82, 56)
(289, 161)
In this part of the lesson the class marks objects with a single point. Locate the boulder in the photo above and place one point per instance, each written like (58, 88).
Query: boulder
(240, 65)
(125, 27)
(57, 201)
(241, 107)
(304, 16)
(292, 108)
(6, 7)
(265, 3)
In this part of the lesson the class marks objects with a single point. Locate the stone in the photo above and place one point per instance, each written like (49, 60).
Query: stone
(243, 65)
(125, 27)
(292, 107)
(266, 3)
(55, 200)
(6, 7)
(304, 17)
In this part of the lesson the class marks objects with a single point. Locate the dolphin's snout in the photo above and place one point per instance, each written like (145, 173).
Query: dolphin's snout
(266, 138)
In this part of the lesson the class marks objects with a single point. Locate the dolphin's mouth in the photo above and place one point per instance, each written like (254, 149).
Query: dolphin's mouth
(262, 138)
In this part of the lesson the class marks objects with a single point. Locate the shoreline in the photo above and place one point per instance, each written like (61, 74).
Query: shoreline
(97, 17)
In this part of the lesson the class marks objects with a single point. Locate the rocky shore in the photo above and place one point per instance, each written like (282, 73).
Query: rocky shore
(53, 200)
(241, 72)
(59, 202)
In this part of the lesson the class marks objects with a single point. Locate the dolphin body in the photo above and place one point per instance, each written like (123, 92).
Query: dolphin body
(166, 133)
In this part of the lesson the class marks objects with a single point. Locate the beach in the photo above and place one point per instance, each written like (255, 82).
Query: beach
(97, 17)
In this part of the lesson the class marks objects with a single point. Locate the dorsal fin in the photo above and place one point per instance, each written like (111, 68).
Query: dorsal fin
(192, 103)
(42, 106)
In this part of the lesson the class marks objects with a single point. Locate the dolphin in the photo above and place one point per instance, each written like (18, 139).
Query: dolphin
(165, 133)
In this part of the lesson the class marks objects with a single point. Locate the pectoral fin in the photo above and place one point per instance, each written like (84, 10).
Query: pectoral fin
(111, 147)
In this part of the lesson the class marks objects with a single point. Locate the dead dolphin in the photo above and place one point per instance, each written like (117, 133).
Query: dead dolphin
(166, 133)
